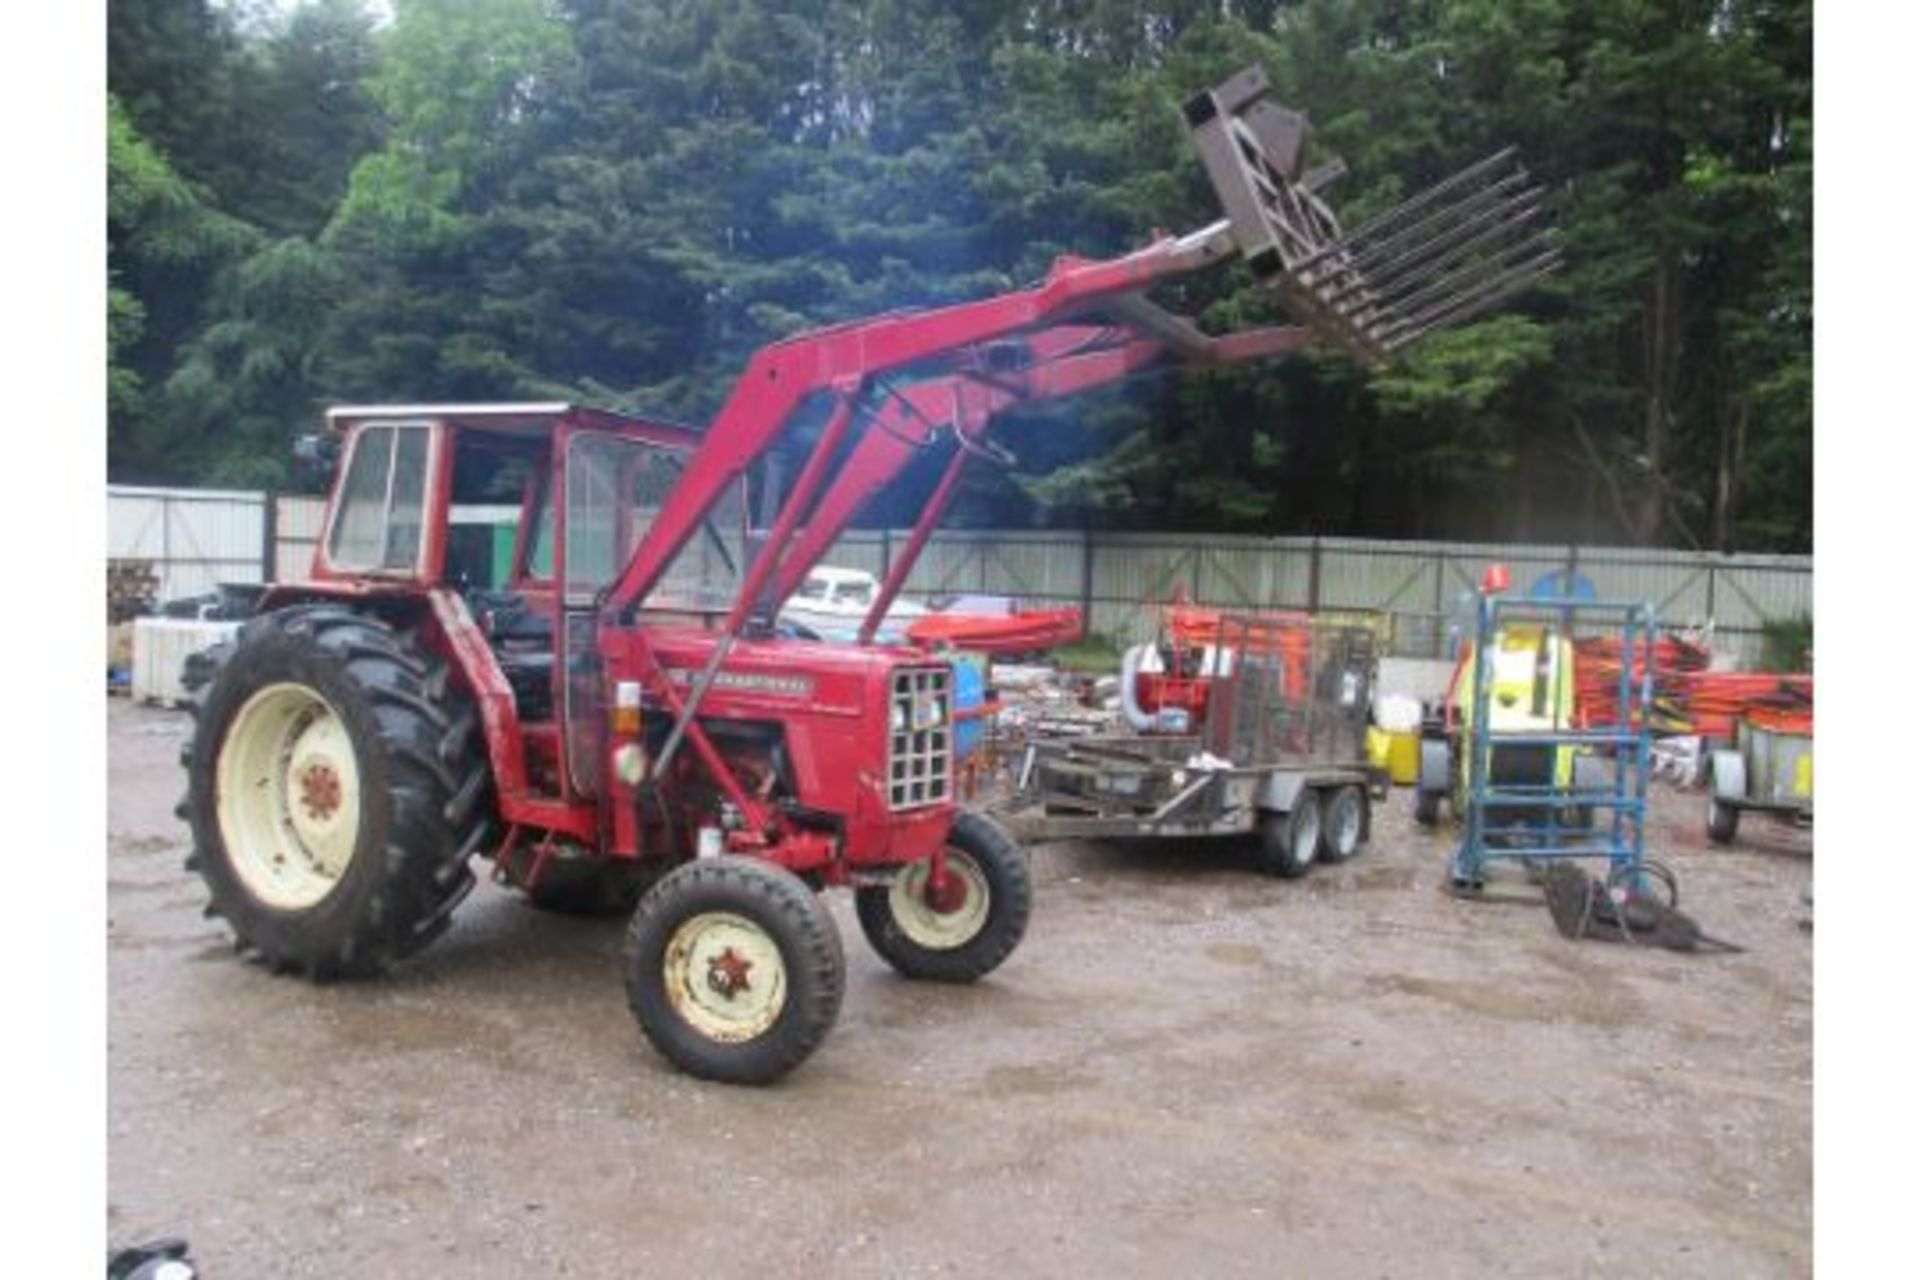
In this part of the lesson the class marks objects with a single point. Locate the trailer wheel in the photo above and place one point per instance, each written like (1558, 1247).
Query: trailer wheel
(336, 790)
(1723, 820)
(1426, 808)
(982, 919)
(734, 970)
(1289, 841)
(1343, 824)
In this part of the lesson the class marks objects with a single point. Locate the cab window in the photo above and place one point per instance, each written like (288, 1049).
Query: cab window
(378, 522)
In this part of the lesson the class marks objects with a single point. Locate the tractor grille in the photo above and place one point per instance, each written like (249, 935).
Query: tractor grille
(920, 738)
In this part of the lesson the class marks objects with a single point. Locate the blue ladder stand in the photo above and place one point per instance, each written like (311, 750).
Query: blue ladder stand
(1539, 831)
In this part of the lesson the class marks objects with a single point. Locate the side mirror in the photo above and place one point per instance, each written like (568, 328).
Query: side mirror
(314, 460)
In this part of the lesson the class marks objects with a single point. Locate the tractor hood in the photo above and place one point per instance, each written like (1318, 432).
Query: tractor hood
(779, 676)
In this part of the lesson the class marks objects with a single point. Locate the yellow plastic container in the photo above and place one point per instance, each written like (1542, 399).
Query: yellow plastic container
(1379, 746)
(1403, 757)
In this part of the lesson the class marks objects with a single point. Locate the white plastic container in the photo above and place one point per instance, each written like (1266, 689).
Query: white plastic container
(160, 650)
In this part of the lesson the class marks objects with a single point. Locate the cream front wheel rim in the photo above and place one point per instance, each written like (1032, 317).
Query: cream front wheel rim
(288, 796)
(725, 977)
(940, 930)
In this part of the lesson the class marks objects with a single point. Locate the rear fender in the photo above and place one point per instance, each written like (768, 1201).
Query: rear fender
(1279, 790)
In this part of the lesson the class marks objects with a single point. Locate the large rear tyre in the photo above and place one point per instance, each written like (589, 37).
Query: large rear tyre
(1290, 841)
(1426, 808)
(964, 932)
(734, 970)
(336, 788)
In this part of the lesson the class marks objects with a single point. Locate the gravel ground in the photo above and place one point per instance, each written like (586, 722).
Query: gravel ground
(1187, 1069)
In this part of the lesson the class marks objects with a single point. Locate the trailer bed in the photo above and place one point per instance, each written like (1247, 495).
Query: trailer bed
(1134, 786)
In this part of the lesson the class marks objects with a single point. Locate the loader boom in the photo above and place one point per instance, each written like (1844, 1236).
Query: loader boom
(1437, 259)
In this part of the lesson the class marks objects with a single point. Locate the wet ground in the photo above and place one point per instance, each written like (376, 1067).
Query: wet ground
(1187, 1069)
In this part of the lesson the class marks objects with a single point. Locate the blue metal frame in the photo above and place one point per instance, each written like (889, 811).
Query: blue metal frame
(1624, 799)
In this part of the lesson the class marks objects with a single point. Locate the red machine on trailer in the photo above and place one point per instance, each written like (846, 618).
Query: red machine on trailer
(624, 723)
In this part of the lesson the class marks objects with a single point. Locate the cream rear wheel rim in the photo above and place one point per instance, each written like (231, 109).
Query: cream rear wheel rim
(287, 796)
(940, 930)
(725, 977)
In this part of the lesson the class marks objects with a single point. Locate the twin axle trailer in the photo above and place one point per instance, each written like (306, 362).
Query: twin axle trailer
(1280, 755)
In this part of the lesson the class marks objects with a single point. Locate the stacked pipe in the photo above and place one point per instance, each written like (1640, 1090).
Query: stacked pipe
(1688, 698)
(1717, 700)
(1596, 689)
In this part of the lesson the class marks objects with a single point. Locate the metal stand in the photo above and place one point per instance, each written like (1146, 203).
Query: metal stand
(1533, 821)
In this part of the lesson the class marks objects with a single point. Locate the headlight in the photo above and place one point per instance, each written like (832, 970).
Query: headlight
(929, 711)
(630, 764)
(897, 720)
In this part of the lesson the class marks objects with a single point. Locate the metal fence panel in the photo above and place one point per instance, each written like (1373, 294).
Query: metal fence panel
(197, 538)
(297, 522)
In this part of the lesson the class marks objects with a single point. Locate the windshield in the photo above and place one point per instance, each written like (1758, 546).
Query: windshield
(614, 489)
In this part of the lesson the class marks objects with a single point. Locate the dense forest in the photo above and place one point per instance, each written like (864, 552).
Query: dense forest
(616, 201)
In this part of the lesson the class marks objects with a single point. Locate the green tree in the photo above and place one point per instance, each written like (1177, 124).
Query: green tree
(620, 201)
(164, 245)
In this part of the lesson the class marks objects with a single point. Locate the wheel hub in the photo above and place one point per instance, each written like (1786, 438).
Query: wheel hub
(941, 912)
(320, 790)
(727, 973)
(946, 892)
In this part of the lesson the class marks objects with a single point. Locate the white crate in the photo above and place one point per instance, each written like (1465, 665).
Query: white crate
(160, 650)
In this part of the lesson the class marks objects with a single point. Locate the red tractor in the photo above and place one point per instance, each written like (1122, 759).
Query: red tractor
(620, 724)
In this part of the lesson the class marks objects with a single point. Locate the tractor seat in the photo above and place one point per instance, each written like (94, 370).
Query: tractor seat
(505, 618)
(522, 642)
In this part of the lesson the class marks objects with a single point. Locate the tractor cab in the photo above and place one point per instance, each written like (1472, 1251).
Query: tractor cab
(466, 495)
(525, 512)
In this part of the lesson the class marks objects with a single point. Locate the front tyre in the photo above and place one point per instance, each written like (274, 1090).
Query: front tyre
(960, 933)
(734, 970)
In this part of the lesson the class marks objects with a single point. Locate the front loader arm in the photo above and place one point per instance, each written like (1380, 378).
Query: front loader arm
(1057, 362)
(1437, 259)
(953, 407)
(841, 360)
